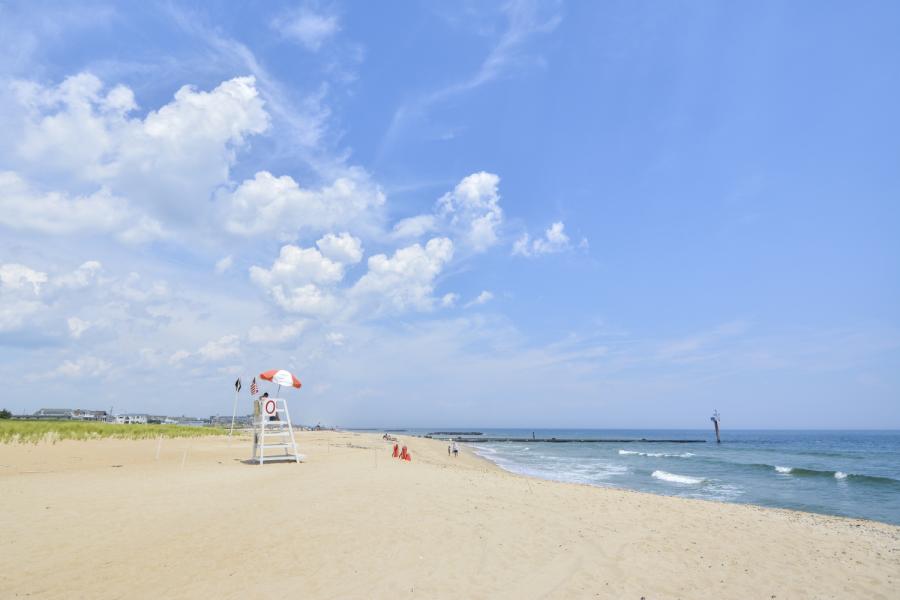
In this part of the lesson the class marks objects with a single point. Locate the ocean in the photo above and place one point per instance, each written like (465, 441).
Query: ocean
(848, 473)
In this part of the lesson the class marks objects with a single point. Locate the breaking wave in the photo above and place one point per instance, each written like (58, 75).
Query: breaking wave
(655, 454)
(675, 478)
(801, 472)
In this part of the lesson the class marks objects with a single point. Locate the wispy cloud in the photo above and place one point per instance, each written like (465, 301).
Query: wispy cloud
(482, 298)
(309, 28)
(525, 20)
(303, 118)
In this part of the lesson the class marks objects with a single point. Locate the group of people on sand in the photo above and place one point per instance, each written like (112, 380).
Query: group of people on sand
(402, 454)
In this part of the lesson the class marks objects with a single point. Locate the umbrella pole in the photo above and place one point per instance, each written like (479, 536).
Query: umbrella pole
(278, 395)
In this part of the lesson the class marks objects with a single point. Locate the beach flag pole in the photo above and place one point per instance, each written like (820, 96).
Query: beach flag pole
(237, 388)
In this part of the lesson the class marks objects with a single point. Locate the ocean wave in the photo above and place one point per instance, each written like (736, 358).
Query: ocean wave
(826, 473)
(674, 478)
(485, 452)
(655, 454)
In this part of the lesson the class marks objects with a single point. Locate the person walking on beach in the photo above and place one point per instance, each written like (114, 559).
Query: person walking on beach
(448, 449)
(455, 449)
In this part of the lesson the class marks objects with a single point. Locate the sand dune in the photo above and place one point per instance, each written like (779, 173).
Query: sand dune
(107, 519)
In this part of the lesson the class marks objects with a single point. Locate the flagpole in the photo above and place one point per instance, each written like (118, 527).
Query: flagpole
(233, 412)
(237, 386)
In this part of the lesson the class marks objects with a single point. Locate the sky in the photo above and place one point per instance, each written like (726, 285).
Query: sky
(518, 214)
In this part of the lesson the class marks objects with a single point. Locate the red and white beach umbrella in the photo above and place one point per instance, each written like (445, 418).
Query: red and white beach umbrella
(281, 377)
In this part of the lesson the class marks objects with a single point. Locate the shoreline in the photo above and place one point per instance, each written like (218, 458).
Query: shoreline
(350, 521)
(613, 486)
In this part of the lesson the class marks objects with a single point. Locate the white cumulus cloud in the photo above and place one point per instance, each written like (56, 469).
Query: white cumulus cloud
(103, 170)
(296, 278)
(554, 240)
(52, 212)
(304, 280)
(308, 299)
(343, 248)
(473, 210)
(405, 280)
(298, 266)
(270, 204)
(14, 276)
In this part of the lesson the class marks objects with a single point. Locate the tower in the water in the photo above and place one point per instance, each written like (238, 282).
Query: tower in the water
(715, 419)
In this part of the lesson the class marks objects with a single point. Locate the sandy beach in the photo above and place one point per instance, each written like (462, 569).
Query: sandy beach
(188, 518)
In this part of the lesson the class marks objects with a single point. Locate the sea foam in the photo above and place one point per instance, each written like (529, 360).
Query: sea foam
(655, 454)
(840, 475)
(674, 478)
(784, 469)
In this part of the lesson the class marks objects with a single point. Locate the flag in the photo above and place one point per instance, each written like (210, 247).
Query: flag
(254, 389)
(237, 385)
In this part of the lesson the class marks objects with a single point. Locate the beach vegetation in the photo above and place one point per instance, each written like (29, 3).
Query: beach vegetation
(16, 431)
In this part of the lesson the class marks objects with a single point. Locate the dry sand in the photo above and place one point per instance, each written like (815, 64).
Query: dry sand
(107, 519)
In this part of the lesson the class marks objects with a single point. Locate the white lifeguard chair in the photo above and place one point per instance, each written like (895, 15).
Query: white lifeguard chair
(272, 429)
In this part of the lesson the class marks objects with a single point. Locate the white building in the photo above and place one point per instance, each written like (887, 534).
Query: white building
(131, 419)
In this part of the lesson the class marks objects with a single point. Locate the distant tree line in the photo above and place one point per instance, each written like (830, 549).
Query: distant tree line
(5, 414)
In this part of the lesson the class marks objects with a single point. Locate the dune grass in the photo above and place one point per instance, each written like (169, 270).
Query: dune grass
(53, 431)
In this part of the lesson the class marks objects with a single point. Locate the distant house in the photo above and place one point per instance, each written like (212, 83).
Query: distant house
(89, 415)
(69, 414)
(131, 419)
(239, 421)
(54, 413)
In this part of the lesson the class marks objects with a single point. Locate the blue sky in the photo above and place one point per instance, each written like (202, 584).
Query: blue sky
(536, 214)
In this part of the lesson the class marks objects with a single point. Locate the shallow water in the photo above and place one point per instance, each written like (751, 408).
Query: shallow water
(849, 473)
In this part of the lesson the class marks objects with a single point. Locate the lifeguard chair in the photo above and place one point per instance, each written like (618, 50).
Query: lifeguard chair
(272, 429)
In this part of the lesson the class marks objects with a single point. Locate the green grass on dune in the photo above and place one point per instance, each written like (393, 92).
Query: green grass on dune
(52, 431)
